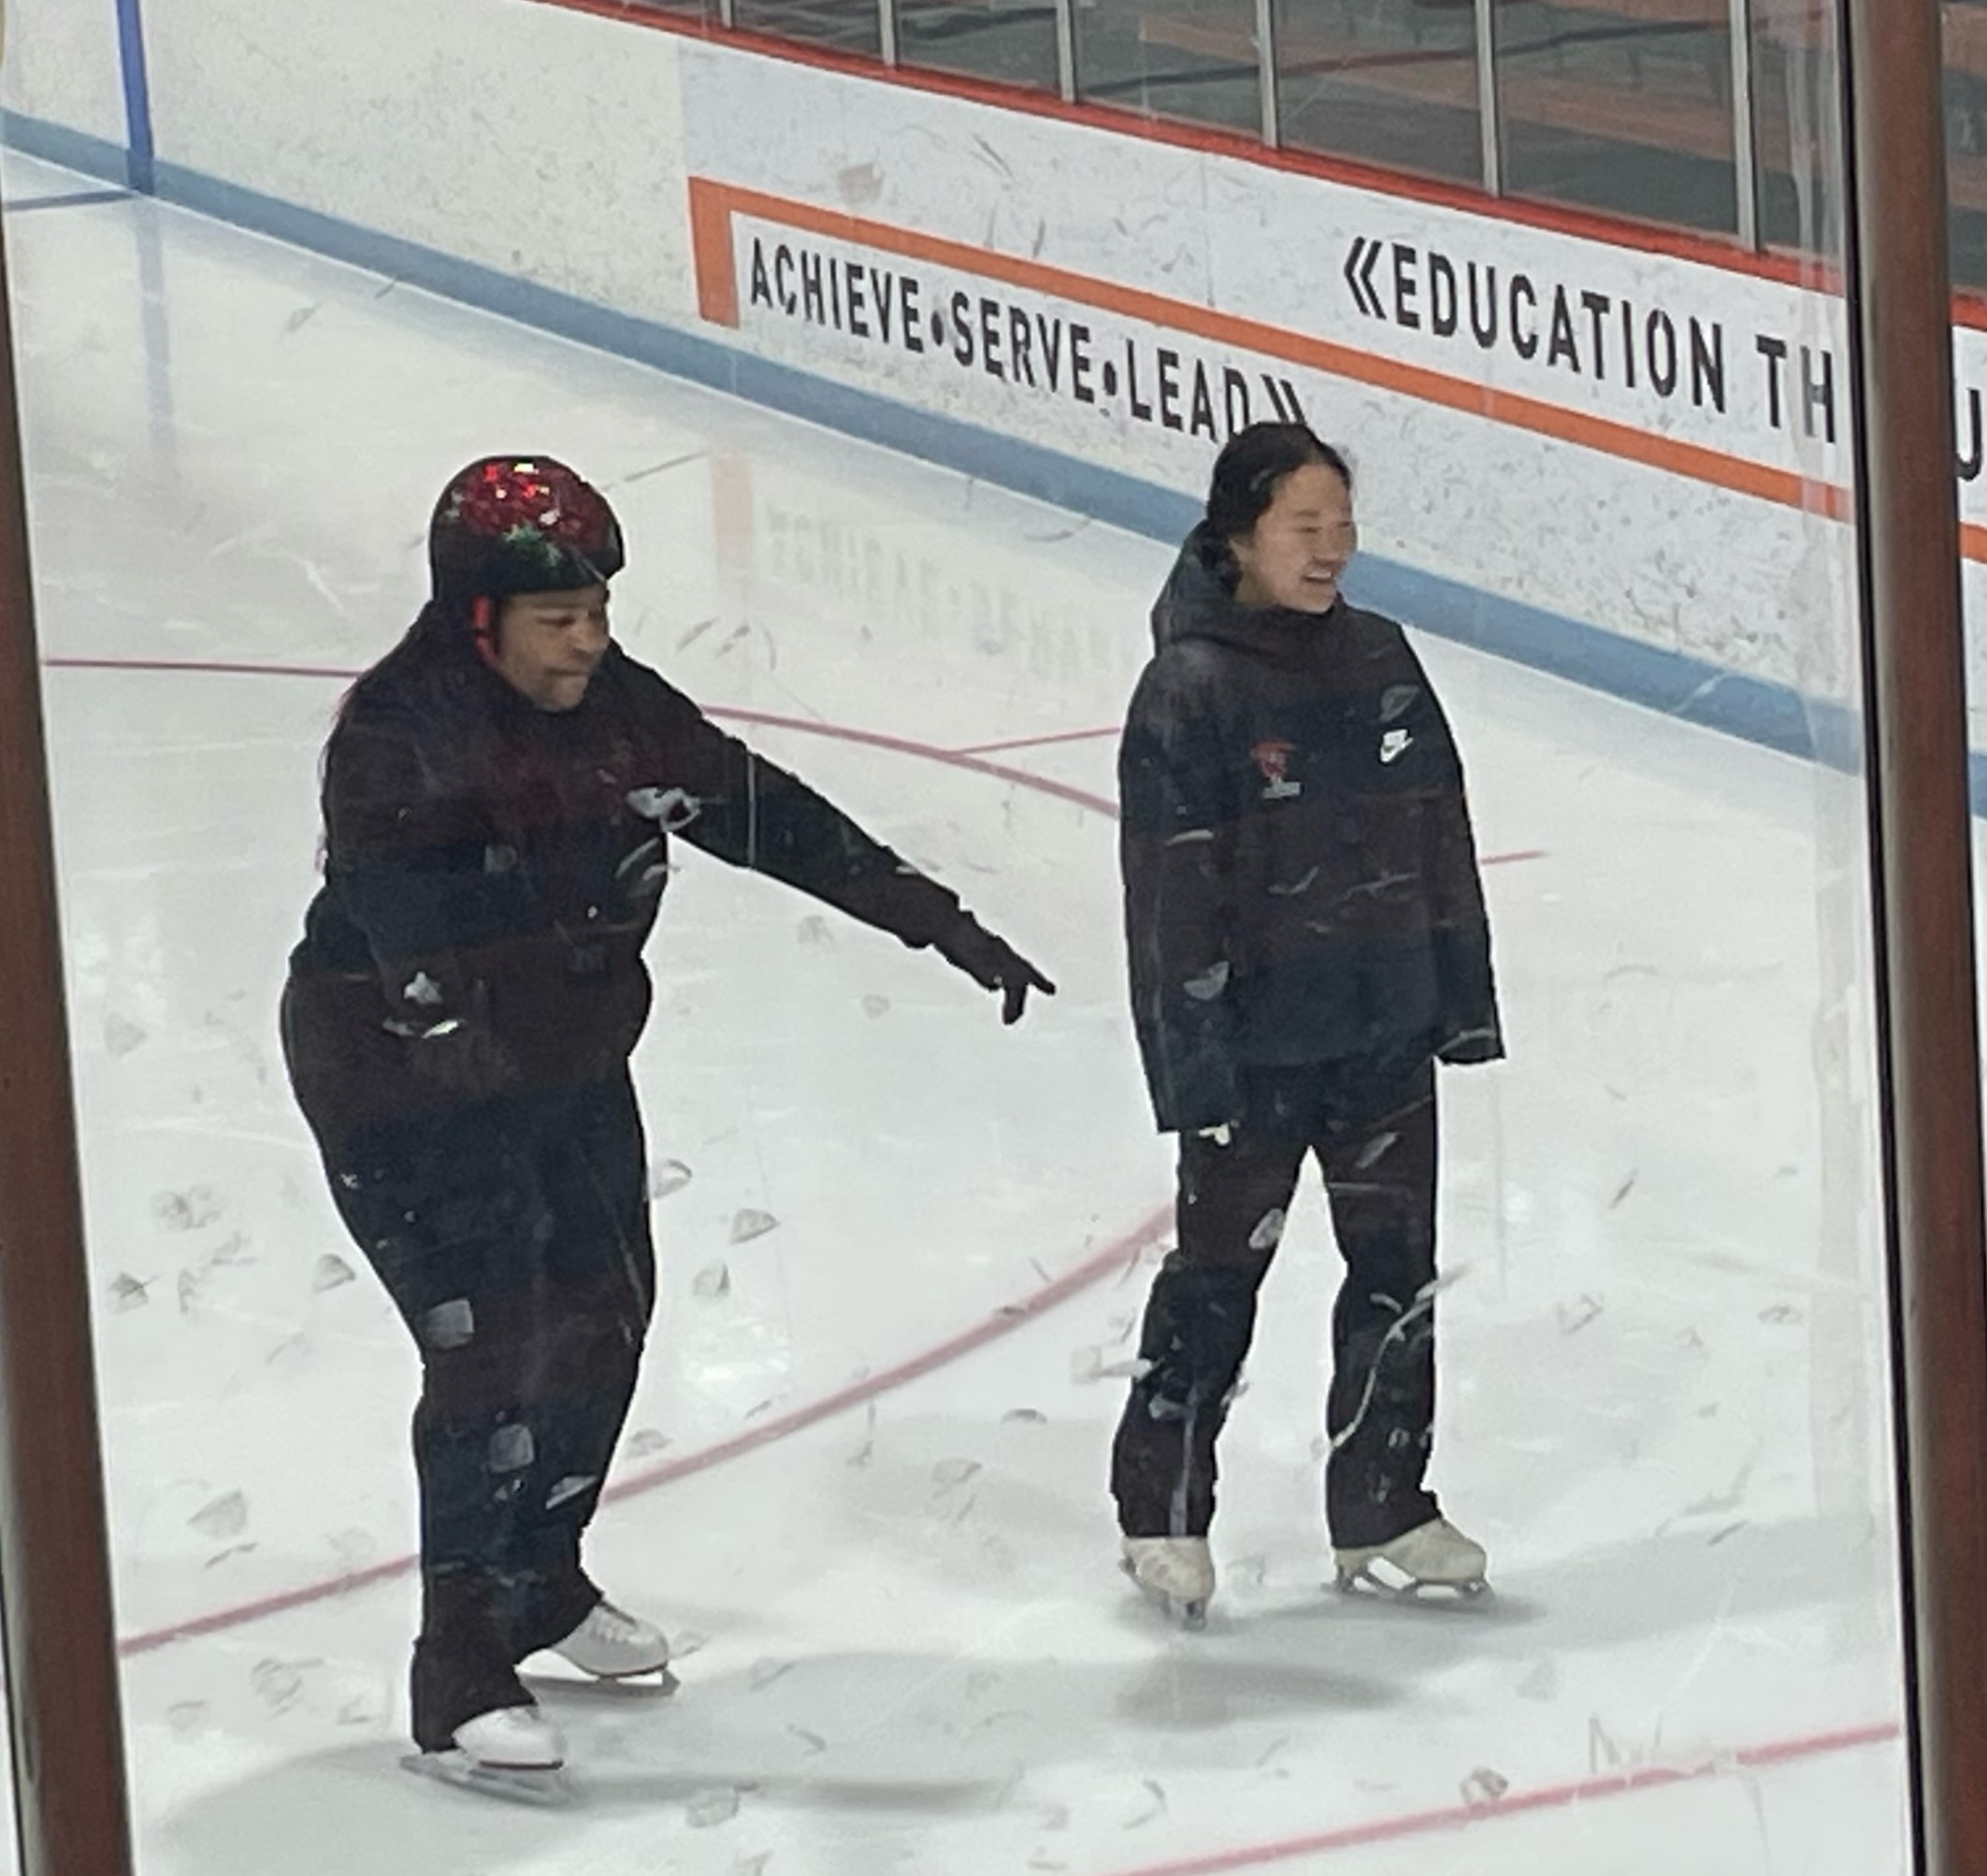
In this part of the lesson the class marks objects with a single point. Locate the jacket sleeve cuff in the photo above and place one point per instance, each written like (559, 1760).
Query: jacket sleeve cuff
(1470, 1046)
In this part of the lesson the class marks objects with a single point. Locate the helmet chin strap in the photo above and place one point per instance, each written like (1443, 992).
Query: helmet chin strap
(482, 626)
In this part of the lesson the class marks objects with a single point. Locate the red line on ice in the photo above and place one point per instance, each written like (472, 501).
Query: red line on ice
(875, 739)
(1070, 1283)
(1518, 1804)
(1080, 1276)
(972, 759)
(1039, 742)
(1011, 1317)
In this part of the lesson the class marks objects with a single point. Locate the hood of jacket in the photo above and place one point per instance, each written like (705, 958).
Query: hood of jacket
(1198, 601)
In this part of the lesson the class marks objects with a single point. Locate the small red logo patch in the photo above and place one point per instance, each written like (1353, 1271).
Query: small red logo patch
(1273, 759)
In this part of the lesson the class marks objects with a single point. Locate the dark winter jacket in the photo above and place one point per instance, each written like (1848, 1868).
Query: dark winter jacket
(1300, 876)
(491, 871)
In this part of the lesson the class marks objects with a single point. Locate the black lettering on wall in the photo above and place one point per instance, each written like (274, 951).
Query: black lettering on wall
(1444, 313)
(1483, 312)
(1141, 411)
(1080, 363)
(1170, 389)
(1525, 338)
(1596, 304)
(1563, 346)
(1407, 286)
(1774, 351)
(1663, 359)
(1201, 421)
(1234, 399)
(990, 338)
(1020, 346)
(1050, 333)
(1708, 364)
(1283, 399)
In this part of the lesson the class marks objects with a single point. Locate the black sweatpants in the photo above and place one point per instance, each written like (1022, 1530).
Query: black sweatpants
(1373, 1130)
(512, 1235)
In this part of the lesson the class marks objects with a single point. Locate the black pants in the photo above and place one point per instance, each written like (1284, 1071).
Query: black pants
(1373, 1129)
(514, 1238)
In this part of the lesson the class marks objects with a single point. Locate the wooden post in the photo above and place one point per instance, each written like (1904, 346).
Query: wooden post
(1920, 828)
(55, 1602)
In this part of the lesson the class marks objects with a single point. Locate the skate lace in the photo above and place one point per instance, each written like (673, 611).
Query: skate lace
(612, 1624)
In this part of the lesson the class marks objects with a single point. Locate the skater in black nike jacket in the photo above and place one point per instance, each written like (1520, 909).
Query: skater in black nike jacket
(499, 798)
(1307, 940)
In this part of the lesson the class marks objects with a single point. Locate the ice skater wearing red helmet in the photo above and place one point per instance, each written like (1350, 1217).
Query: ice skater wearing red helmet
(499, 795)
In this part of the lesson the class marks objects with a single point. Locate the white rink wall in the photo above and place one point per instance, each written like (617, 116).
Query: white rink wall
(1636, 503)
(539, 142)
(61, 66)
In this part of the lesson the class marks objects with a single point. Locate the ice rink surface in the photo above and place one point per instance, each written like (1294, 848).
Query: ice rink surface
(902, 1247)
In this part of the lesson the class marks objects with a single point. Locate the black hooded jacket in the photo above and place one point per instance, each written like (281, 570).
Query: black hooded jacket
(491, 871)
(1300, 881)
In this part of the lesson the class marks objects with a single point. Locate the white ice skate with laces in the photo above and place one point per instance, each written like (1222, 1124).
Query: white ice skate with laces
(1177, 1573)
(1433, 1556)
(512, 1752)
(620, 1648)
(612, 1645)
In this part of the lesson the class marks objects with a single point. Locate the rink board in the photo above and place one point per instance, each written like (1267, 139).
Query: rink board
(1617, 455)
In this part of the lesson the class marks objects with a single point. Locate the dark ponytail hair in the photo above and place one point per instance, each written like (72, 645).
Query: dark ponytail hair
(1248, 471)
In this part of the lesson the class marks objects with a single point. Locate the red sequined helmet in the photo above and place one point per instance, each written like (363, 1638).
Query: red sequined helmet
(520, 525)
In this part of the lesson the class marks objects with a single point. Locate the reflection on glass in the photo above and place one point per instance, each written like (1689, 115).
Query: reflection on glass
(1193, 60)
(1966, 138)
(1392, 83)
(1793, 80)
(848, 25)
(904, 1251)
(1011, 42)
(705, 10)
(1623, 106)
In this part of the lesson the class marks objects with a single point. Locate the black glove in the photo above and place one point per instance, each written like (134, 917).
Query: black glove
(994, 965)
(1467, 1047)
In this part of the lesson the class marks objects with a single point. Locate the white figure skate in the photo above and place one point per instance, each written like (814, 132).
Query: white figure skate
(1177, 1573)
(1434, 1555)
(513, 1753)
(612, 1645)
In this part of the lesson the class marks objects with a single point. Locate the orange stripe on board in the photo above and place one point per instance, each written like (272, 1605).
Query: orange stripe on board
(722, 201)
(711, 249)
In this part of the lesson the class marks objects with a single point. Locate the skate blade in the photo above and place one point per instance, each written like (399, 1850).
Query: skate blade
(658, 1683)
(543, 1786)
(652, 1684)
(1411, 1589)
(1189, 1613)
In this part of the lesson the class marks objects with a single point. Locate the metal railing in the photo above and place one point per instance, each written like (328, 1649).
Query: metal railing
(1271, 74)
